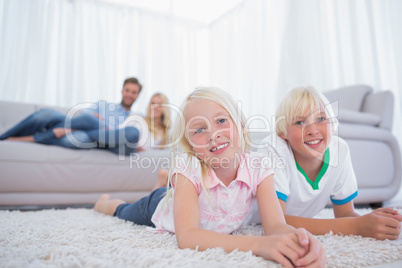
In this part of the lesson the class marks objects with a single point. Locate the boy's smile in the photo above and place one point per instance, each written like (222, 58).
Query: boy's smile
(309, 135)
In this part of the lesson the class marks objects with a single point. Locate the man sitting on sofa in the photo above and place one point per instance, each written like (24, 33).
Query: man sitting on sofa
(95, 127)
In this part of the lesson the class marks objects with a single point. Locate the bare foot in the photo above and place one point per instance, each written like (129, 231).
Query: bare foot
(24, 138)
(61, 132)
(140, 149)
(106, 205)
(162, 179)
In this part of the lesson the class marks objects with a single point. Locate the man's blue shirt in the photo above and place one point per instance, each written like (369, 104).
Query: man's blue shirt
(112, 114)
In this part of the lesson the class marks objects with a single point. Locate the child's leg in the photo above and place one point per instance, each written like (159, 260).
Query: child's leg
(162, 179)
(139, 212)
(106, 206)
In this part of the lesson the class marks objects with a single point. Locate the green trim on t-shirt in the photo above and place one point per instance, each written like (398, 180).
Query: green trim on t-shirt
(324, 168)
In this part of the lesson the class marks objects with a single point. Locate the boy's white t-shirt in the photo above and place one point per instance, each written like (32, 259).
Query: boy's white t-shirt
(336, 180)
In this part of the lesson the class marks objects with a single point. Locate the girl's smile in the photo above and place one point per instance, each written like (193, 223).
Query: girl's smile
(219, 148)
(211, 132)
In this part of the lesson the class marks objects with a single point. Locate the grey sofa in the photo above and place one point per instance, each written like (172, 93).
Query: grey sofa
(33, 174)
(365, 124)
(40, 175)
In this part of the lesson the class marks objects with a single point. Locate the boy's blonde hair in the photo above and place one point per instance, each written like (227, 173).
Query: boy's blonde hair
(165, 119)
(297, 102)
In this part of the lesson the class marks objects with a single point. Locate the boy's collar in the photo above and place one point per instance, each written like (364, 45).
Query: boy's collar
(321, 174)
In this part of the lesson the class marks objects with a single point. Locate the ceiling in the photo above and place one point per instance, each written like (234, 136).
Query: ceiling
(203, 11)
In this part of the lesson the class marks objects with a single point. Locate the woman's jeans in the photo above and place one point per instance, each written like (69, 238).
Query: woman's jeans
(141, 212)
(89, 132)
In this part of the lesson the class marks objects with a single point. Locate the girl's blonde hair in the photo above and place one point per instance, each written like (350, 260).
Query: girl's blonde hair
(222, 98)
(297, 102)
(166, 123)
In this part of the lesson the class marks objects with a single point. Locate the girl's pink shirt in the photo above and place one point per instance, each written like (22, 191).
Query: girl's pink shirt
(224, 209)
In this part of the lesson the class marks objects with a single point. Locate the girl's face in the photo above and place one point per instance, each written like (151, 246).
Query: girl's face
(211, 133)
(156, 108)
(309, 135)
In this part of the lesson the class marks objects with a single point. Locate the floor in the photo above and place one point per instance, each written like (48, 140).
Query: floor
(397, 264)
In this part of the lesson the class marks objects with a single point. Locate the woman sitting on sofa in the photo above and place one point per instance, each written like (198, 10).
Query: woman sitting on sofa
(158, 126)
(158, 123)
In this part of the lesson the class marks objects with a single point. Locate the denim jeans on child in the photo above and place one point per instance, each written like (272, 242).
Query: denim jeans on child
(141, 212)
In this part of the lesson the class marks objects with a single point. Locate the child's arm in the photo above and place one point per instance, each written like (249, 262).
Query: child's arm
(380, 224)
(273, 222)
(280, 248)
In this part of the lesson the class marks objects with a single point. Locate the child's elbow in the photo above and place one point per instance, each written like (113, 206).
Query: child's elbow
(184, 241)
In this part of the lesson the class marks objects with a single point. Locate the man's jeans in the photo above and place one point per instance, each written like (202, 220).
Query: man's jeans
(89, 132)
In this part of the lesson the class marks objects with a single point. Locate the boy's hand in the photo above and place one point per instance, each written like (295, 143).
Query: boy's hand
(381, 224)
(315, 253)
(388, 212)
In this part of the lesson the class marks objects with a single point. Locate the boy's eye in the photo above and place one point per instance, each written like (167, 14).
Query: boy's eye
(222, 120)
(299, 123)
(320, 119)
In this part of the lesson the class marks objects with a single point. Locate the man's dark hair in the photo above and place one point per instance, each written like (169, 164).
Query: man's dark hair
(132, 80)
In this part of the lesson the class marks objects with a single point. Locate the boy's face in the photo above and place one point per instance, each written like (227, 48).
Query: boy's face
(309, 135)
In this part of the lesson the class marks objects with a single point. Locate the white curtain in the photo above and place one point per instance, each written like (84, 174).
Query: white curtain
(64, 52)
(263, 48)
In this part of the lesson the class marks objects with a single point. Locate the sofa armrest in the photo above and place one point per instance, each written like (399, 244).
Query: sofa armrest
(353, 117)
(13, 113)
(382, 104)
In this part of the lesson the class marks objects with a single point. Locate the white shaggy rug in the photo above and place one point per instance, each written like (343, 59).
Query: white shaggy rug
(84, 238)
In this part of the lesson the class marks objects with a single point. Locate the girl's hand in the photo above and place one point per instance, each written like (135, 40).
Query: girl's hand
(315, 253)
(284, 249)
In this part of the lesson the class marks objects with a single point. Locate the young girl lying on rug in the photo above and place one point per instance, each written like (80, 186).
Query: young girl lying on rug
(214, 186)
(316, 168)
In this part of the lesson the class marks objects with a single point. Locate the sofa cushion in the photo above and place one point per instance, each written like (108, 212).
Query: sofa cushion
(47, 168)
(353, 117)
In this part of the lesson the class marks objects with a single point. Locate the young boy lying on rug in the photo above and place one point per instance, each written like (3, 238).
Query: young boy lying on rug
(213, 189)
(316, 167)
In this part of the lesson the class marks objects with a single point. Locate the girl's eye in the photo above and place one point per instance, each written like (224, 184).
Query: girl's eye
(223, 120)
(299, 123)
(320, 119)
(199, 130)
